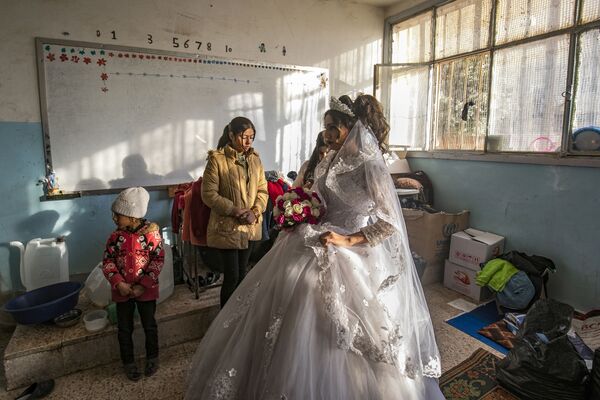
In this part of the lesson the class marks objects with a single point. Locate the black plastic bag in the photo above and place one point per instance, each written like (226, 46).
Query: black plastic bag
(543, 365)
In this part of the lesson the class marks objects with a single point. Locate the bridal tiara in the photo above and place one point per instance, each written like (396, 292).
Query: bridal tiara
(337, 105)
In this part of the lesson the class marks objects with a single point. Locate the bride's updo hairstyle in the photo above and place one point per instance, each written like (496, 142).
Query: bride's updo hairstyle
(365, 108)
(343, 117)
(370, 111)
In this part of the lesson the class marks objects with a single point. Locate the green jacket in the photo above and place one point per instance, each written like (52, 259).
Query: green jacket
(495, 274)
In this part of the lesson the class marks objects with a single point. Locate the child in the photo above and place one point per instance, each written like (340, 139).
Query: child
(132, 262)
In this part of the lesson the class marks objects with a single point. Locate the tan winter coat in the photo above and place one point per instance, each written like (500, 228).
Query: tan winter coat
(225, 185)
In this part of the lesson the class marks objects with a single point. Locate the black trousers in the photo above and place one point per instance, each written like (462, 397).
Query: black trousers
(125, 312)
(235, 265)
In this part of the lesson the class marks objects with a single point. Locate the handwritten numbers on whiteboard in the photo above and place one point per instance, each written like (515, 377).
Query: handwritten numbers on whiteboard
(227, 49)
(177, 42)
(262, 48)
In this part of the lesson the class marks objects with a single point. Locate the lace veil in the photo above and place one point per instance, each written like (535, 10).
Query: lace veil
(378, 307)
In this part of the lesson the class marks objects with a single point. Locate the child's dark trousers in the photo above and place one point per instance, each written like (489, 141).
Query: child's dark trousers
(125, 312)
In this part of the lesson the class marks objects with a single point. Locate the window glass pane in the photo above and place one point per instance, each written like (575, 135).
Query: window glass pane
(590, 11)
(462, 26)
(461, 103)
(587, 90)
(411, 40)
(527, 104)
(518, 19)
(404, 93)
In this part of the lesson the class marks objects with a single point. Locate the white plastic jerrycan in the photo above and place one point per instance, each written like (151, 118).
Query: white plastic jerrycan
(43, 262)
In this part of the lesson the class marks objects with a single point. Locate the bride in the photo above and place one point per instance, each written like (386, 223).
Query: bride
(334, 310)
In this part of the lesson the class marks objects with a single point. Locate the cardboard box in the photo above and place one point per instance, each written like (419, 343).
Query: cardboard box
(462, 279)
(471, 247)
(429, 239)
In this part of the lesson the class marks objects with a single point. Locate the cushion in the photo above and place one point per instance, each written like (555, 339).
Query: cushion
(499, 333)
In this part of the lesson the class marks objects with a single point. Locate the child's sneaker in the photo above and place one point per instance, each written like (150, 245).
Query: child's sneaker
(151, 367)
(132, 372)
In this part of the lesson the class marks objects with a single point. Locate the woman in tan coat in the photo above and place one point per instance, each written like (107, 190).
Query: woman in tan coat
(235, 188)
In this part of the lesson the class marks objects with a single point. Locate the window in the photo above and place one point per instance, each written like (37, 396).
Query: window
(461, 27)
(412, 40)
(407, 97)
(461, 103)
(494, 76)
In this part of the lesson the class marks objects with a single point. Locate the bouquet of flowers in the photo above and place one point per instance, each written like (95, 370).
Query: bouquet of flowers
(297, 206)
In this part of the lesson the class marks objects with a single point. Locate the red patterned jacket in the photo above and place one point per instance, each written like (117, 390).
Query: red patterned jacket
(136, 258)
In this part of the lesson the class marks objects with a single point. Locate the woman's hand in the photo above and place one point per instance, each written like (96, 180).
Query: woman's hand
(336, 239)
(247, 218)
(137, 291)
(237, 212)
(124, 289)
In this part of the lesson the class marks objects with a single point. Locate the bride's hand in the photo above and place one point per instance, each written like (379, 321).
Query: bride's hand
(333, 238)
(336, 239)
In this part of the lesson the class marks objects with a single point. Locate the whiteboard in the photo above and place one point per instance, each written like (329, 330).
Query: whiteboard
(115, 117)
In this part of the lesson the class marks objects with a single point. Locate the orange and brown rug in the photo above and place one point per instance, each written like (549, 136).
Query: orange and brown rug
(474, 379)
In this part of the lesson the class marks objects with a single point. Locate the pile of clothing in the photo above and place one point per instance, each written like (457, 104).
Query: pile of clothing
(513, 288)
(516, 278)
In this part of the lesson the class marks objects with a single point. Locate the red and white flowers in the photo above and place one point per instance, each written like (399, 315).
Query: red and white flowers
(297, 206)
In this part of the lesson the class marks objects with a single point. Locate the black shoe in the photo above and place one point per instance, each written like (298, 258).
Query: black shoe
(151, 367)
(37, 390)
(132, 372)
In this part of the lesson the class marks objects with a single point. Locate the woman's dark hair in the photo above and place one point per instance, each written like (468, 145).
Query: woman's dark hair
(314, 159)
(237, 126)
(370, 111)
(367, 109)
(340, 118)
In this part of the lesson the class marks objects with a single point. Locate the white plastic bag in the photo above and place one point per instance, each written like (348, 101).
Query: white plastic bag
(97, 288)
(166, 282)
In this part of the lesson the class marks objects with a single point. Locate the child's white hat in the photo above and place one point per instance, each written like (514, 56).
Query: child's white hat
(132, 202)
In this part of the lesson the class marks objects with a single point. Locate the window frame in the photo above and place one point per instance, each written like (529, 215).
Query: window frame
(565, 156)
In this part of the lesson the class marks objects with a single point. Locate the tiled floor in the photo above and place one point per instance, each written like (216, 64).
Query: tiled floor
(108, 382)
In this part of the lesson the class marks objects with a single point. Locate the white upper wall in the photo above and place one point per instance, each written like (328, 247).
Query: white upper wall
(344, 37)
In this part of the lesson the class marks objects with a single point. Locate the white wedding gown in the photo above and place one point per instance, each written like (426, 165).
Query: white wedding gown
(309, 323)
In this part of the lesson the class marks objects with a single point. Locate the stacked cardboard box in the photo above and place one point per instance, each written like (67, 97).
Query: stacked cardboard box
(469, 249)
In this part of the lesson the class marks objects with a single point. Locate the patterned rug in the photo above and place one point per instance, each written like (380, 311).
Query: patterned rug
(474, 379)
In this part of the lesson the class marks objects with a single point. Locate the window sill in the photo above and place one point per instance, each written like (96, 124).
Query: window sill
(538, 159)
